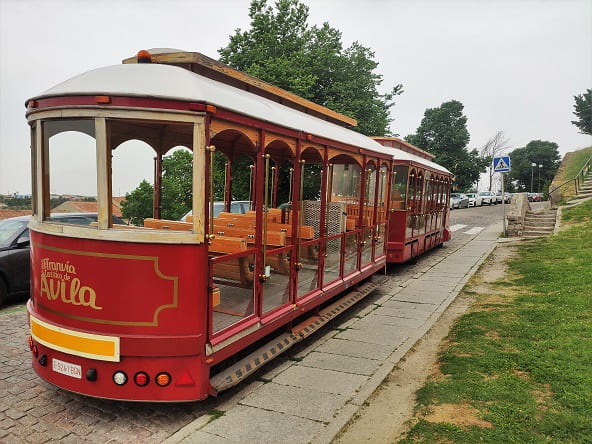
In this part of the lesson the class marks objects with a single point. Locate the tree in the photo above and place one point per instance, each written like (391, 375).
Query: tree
(443, 132)
(282, 49)
(177, 177)
(138, 205)
(525, 175)
(583, 111)
(176, 196)
(494, 147)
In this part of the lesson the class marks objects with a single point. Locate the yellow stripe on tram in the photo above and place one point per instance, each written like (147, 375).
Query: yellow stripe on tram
(105, 348)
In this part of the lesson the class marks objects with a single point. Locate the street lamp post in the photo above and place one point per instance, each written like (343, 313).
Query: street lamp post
(532, 165)
(539, 187)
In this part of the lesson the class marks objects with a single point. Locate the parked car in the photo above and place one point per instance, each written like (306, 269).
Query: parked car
(237, 206)
(507, 197)
(475, 200)
(487, 197)
(15, 249)
(458, 200)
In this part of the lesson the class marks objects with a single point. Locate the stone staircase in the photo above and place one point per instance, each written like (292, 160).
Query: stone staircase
(584, 192)
(539, 223)
(586, 188)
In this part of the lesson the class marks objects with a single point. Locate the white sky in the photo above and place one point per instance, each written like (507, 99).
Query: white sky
(515, 65)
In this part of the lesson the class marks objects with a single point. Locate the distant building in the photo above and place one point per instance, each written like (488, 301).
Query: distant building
(77, 206)
(5, 214)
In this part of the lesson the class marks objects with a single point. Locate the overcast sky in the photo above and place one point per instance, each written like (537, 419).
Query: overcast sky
(515, 65)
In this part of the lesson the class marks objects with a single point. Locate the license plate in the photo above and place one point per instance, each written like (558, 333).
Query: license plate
(66, 368)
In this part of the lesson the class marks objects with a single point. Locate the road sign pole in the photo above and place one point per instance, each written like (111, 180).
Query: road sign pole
(502, 165)
(503, 206)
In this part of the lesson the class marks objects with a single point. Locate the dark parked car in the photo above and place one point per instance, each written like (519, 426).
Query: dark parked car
(14, 249)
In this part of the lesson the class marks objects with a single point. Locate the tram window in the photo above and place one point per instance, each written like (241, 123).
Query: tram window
(370, 185)
(382, 194)
(346, 183)
(345, 190)
(132, 162)
(427, 192)
(311, 174)
(399, 187)
(34, 167)
(70, 170)
(152, 161)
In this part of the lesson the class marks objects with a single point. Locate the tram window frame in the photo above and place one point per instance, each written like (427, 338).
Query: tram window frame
(54, 127)
(400, 184)
(40, 221)
(34, 181)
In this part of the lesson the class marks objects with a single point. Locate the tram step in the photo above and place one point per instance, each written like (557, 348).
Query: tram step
(253, 362)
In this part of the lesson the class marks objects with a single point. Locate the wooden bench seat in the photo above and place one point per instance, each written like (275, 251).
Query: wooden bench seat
(163, 224)
(306, 231)
(240, 269)
(274, 238)
(249, 216)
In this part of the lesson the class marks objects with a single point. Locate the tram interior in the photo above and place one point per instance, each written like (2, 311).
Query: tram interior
(289, 244)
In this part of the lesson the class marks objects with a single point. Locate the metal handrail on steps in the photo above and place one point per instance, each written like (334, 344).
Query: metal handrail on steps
(580, 177)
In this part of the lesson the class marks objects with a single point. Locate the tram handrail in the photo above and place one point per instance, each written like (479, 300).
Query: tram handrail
(584, 171)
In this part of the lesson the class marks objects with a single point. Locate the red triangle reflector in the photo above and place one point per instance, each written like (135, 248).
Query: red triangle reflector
(185, 380)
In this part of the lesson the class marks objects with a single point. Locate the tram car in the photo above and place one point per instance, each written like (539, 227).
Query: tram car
(178, 310)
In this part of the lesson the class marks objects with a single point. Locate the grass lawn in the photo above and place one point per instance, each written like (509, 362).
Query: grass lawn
(519, 365)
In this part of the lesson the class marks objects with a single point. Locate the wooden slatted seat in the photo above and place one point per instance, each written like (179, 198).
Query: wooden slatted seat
(238, 269)
(274, 238)
(227, 245)
(163, 224)
(249, 215)
(306, 231)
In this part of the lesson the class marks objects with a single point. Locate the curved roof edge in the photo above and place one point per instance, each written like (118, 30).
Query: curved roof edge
(171, 82)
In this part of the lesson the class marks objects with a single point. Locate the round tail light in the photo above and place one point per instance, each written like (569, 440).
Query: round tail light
(119, 378)
(141, 378)
(163, 379)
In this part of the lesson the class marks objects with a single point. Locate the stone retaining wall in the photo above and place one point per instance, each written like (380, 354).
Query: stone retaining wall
(518, 208)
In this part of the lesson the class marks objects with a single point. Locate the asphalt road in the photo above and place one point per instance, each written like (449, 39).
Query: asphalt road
(34, 411)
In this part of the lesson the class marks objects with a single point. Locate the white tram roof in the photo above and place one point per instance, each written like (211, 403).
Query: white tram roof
(171, 82)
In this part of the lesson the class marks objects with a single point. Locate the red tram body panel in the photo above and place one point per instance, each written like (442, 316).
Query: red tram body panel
(160, 309)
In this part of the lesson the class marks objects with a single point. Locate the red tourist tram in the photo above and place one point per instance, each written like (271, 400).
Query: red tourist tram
(158, 312)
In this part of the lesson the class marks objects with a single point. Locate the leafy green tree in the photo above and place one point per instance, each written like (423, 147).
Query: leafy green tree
(524, 175)
(138, 205)
(443, 133)
(176, 197)
(177, 177)
(281, 48)
(583, 111)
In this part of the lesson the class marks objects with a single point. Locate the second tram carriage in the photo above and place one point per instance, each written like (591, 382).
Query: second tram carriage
(156, 312)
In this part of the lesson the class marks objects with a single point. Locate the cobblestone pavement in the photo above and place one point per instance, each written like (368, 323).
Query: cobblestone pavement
(32, 410)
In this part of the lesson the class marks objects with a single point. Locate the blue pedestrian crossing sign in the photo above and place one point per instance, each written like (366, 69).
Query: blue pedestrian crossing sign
(501, 164)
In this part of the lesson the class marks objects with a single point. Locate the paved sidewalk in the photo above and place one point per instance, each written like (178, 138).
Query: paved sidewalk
(310, 397)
